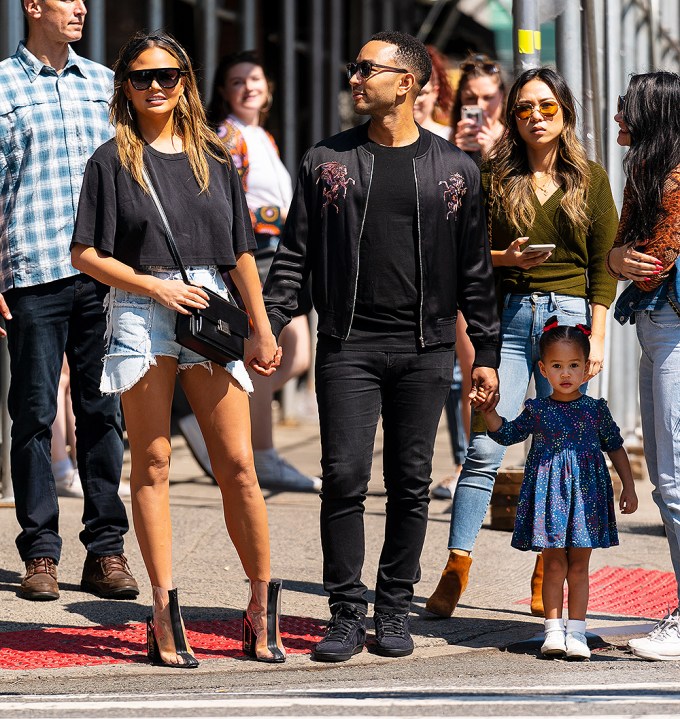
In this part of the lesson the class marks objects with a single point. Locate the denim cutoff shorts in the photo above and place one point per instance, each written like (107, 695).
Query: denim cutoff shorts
(138, 329)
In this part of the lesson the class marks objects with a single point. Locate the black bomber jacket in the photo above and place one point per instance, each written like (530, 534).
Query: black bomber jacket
(324, 227)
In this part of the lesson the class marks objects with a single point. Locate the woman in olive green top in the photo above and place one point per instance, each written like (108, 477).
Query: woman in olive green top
(540, 191)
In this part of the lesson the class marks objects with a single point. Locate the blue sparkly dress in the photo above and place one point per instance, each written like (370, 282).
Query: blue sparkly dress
(566, 498)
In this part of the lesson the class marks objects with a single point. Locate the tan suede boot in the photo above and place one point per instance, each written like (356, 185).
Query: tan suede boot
(537, 588)
(452, 584)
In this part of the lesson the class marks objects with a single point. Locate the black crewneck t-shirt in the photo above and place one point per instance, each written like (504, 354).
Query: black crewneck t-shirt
(386, 309)
(116, 216)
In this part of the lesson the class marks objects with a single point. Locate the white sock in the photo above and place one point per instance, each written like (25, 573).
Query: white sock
(552, 625)
(576, 625)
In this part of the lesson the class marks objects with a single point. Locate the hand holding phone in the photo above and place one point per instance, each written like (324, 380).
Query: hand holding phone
(538, 249)
(474, 113)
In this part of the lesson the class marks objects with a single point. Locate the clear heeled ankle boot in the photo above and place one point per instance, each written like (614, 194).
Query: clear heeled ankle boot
(166, 625)
(261, 635)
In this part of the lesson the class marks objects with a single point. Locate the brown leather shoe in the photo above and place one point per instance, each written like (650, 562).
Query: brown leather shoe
(108, 577)
(40, 582)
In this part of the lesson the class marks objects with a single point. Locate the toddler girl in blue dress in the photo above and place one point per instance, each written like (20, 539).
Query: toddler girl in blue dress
(566, 502)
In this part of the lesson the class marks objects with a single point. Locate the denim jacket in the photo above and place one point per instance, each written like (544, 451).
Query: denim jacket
(633, 300)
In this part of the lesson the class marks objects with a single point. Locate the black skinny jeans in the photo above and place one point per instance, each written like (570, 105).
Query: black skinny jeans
(353, 389)
(48, 320)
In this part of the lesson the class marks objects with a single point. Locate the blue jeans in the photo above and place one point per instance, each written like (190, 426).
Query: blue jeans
(354, 388)
(659, 334)
(522, 324)
(48, 320)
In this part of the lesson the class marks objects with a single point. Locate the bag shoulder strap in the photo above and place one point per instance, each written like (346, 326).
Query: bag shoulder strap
(169, 238)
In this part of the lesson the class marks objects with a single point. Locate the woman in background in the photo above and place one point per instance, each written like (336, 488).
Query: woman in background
(241, 98)
(480, 85)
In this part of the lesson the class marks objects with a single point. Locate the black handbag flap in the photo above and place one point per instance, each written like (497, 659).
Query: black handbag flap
(225, 317)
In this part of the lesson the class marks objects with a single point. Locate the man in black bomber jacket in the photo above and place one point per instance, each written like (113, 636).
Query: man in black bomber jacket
(387, 220)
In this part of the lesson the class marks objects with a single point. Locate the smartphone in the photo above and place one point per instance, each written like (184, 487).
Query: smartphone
(474, 113)
(539, 248)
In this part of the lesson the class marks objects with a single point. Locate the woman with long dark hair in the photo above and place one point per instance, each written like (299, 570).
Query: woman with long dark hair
(647, 251)
(119, 239)
(551, 220)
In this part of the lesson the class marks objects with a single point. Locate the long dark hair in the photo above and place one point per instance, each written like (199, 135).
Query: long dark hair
(188, 118)
(512, 181)
(218, 109)
(651, 111)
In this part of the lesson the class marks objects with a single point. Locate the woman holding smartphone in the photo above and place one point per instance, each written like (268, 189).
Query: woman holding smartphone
(478, 106)
(540, 189)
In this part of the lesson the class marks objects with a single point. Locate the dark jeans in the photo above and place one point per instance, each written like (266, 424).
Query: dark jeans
(353, 389)
(48, 320)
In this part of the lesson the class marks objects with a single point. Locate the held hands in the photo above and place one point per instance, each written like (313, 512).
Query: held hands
(514, 257)
(484, 394)
(633, 265)
(177, 296)
(262, 353)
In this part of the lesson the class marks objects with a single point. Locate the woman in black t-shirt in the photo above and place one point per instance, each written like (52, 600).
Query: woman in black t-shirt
(119, 240)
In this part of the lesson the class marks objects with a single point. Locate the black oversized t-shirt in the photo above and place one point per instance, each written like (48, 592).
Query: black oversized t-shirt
(387, 300)
(116, 216)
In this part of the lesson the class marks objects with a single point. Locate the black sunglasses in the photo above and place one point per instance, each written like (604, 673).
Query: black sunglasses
(620, 104)
(479, 61)
(366, 67)
(166, 77)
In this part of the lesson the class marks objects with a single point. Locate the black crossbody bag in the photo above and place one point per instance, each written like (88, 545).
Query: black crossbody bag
(216, 332)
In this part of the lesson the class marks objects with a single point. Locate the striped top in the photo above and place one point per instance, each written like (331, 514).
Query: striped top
(50, 124)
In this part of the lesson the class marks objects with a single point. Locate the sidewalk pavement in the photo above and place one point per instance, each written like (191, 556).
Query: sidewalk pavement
(213, 589)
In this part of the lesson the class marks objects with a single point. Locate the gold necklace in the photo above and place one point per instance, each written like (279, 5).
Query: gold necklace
(543, 188)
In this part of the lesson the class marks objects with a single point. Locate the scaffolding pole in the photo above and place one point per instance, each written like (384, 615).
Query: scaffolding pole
(526, 35)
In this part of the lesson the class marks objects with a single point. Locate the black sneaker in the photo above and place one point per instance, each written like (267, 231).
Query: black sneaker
(345, 635)
(392, 637)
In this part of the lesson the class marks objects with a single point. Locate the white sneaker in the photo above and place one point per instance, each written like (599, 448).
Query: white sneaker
(69, 485)
(577, 646)
(273, 472)
(555, 643)
(662, 643)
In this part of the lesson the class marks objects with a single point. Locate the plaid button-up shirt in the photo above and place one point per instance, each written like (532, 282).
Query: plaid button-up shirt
(50, 124)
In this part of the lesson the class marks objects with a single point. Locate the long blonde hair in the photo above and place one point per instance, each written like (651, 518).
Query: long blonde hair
(511, 177)
(189, 120)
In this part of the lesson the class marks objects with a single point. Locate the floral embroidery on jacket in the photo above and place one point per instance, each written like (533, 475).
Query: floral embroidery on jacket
(334, 178)
(454, 191)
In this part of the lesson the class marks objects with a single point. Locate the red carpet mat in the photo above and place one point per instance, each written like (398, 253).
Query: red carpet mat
(630, 592)
(55, 647)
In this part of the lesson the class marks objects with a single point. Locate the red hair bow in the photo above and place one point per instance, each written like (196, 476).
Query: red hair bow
(551, 326)
(586, 330)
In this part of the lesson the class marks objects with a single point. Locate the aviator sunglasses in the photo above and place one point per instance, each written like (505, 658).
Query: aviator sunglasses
(621, 104)
(366, 67)
(166, 77)
(547, 108)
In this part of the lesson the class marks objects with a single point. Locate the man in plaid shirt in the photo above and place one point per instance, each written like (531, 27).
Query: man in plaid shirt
(53, 115)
